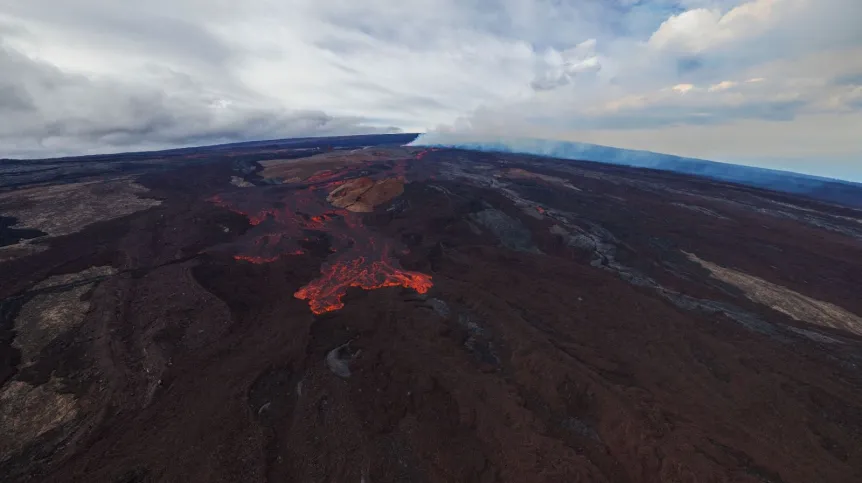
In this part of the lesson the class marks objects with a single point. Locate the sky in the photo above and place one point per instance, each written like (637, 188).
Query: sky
(772, 83)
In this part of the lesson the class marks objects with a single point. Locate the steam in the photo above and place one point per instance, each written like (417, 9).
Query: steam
(549, 148)
(841, 191)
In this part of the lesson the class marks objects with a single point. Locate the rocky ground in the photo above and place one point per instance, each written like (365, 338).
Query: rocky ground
(391, 314)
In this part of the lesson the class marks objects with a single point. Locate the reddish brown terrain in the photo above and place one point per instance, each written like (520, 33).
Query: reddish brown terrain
(396, 314)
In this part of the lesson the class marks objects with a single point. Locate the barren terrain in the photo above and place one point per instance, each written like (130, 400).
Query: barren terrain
(388, 313)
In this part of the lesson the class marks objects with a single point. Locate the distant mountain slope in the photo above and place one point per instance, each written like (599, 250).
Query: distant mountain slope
(16, 173)
(824, 189)
(353, 141)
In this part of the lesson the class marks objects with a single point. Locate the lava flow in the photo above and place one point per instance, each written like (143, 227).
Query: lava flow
(360, 257)
(324, 294)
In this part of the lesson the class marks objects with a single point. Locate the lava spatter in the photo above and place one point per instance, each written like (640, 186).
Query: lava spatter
(360, 258)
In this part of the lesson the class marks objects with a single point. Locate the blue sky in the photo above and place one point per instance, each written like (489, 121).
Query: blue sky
(774, 83)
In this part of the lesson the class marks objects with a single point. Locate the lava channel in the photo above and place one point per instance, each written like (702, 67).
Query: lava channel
(360, 257)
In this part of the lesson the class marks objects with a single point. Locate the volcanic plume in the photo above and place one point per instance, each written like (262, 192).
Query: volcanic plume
(285, 219)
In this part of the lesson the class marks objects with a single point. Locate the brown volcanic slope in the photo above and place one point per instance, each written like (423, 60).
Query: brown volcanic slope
(490, 318)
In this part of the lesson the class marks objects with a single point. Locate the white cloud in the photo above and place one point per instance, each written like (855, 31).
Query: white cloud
(682, 88)
(104, 75)
(557, 69)
(722, 86)
(761, 27)
(701, 29)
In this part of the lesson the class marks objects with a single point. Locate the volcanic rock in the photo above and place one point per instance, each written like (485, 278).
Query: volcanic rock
(68, 208)
(504, 327)
(511, 232)
(28, 412)
(361, 195)
(518, 173)
(338, 361)
(55, 307)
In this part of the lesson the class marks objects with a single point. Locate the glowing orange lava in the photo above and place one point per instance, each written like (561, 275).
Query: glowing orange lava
(282, 219)
(324, 294)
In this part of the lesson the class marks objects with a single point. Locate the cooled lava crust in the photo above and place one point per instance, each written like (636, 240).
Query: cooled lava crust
(388, 314)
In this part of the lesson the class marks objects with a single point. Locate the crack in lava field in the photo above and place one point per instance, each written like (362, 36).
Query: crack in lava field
(285, 221)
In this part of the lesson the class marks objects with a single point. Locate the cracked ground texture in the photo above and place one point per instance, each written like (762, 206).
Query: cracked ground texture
(481, 318)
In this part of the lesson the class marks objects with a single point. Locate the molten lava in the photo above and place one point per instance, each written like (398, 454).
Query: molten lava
(324, 294)
(360, 258)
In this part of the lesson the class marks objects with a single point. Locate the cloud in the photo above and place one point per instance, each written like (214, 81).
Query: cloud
(100, 75)
(557, 69)
(702, 29)
(720, 72)
(57, 113)
(682, 88)
(724, 85)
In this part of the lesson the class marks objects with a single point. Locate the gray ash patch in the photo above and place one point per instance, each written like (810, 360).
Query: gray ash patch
(477, 342)
(511, 233)
(440, 307)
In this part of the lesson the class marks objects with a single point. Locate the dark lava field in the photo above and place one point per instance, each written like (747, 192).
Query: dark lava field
(357, 310)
